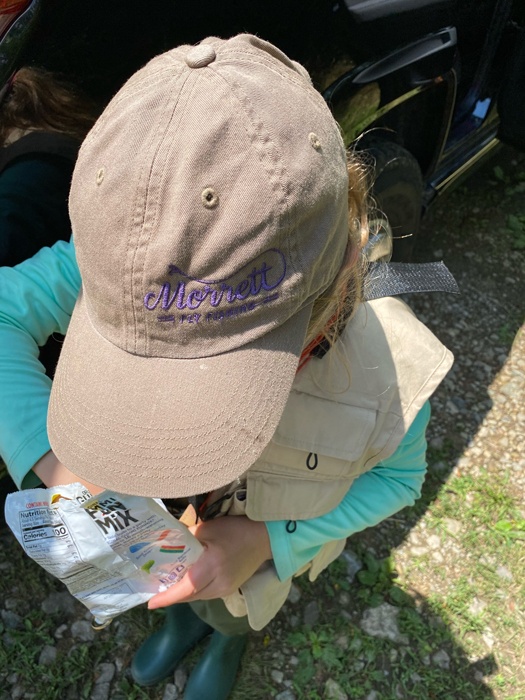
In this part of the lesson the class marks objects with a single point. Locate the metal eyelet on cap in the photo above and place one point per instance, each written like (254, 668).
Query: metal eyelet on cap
(100, 176)
(200, 56)
(210, 198)
(314, 141)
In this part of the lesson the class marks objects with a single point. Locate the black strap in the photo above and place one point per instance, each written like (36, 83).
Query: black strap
(393, 279)
(47, 142)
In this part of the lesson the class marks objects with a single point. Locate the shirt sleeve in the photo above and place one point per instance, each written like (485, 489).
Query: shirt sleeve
(375, 495)
(37, 298)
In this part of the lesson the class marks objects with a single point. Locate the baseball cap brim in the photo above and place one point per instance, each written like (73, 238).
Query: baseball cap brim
(165, 427)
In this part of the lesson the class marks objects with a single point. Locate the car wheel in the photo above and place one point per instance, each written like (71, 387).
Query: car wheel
(397, 192)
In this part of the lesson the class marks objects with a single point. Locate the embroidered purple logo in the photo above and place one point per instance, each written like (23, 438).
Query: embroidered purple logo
(247, 288)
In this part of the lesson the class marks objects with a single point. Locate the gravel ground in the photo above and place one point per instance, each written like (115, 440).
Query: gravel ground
(481, 404)
(479, 409)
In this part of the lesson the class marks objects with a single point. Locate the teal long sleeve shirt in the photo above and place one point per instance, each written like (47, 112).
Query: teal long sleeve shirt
(37, 299)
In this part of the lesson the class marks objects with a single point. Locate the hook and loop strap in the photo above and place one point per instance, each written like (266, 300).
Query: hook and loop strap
(391, 279)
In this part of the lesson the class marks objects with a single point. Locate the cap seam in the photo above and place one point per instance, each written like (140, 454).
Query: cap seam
(259, 127)
(145, 235)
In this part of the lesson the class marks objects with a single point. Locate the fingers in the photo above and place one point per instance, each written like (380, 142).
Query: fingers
(181, 592)
(234, 548)
(196, 584)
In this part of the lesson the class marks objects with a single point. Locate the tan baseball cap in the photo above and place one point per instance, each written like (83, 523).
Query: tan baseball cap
(209, 210)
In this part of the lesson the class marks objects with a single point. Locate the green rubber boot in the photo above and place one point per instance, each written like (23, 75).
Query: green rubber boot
(214, 675)
(160, 654)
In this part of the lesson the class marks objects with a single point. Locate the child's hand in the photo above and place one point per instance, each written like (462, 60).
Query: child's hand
(234, 548)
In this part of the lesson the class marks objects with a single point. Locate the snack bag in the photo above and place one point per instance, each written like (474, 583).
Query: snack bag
(112, 551)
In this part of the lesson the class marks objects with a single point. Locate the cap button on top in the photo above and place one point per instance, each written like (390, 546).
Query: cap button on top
(200, 56)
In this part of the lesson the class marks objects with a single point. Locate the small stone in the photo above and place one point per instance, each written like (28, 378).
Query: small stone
(381, 622)
(344, 598)
(504, 573)
(333, 691)
(277, 676)
(180, 678)
(441, 659)
(439, 467)
(82, 631)
(353, 563)
(100, 691)
(488, 638)
(170, 692)
(7, 640)
(434, 542)
(511, 389)
(477, 606)
(459, 402)
(452, 526)
(437, 443)
(451, 407)
(294, 596)
(59, 602)
(105, 672)
(60, 630)
(11, 620)
(294, 621)
(120, 663)
(311, 613)
(342, 642)
(48, 655)
(285, 695)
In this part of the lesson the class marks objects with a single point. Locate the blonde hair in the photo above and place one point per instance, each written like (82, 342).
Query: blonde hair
(336, 306)
(39, 100)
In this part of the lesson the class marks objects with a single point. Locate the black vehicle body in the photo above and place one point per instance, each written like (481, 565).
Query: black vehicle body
(429, 87)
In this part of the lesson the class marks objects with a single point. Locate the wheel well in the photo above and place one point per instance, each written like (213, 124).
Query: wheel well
(420, 125)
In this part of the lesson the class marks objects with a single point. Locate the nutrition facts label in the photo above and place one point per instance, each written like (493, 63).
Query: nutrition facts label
(43, 531)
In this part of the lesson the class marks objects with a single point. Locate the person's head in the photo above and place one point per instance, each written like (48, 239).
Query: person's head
(39, 100)
(209, 207)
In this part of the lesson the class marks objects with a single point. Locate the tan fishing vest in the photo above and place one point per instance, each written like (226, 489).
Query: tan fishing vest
(346, 412)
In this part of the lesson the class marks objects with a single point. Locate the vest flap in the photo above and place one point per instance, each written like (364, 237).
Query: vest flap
(314, 424)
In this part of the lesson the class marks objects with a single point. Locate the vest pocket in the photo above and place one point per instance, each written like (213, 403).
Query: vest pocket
(274, 497)
(325, 427)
